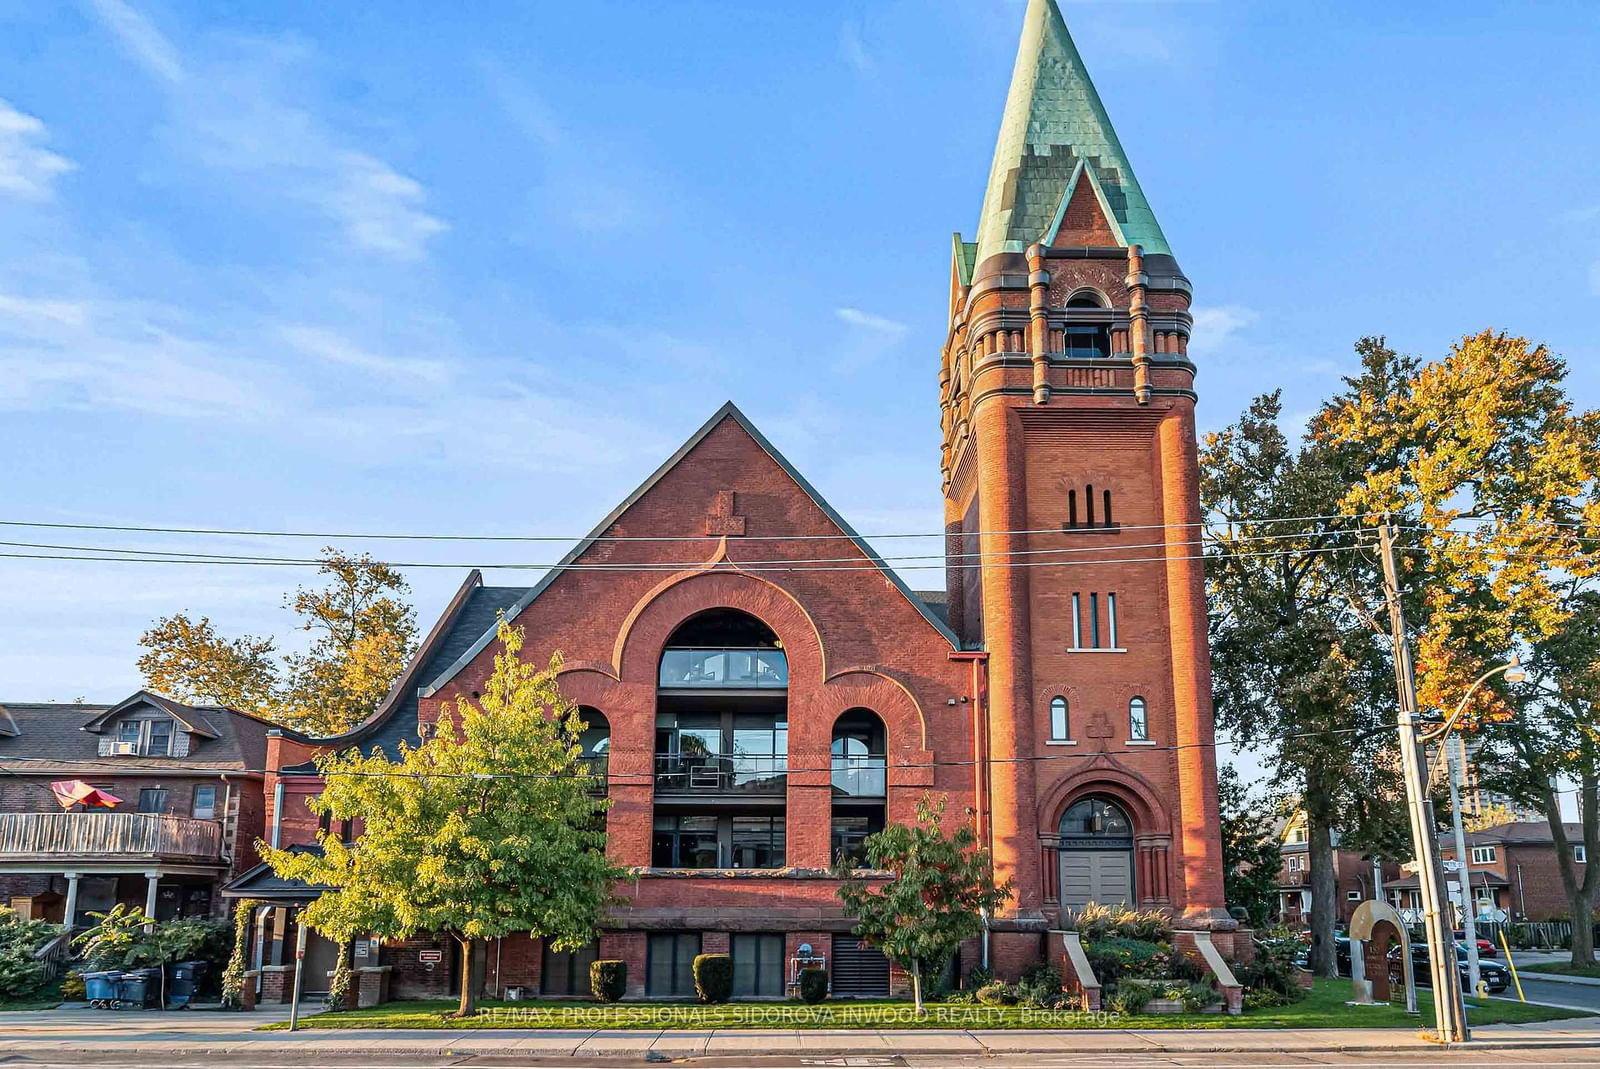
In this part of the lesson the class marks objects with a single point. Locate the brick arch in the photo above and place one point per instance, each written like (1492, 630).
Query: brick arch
(659, 613)
(868, 688)
(1128, 789)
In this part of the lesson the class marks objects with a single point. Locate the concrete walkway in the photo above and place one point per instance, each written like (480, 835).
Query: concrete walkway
(109, 1034)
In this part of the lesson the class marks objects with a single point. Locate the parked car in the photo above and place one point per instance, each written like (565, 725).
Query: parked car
(1341, 954)
(1485, 947)
(1494, 975)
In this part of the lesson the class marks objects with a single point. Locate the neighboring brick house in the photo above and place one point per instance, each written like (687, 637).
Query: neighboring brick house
(1353, 876)
(189, 780)
(758, 718)
(1512, 867)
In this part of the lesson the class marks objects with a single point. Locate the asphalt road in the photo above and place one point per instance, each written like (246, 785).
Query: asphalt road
(1583, 996)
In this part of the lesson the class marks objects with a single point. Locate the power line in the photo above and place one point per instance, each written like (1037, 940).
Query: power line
(375, 536)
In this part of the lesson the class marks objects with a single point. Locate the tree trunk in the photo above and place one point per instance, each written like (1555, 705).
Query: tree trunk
(469, 991)
(1580, 894)
(916, 986)
(1324, 895)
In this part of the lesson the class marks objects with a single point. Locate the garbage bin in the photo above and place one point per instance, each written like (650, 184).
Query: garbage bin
(180, 985)
(100, 988)
(138, 989)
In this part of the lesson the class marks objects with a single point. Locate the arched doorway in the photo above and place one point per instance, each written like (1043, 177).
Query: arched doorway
(595, 740)
(1096, 851)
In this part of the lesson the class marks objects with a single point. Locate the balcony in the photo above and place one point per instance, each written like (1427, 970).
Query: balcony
(108, 836)
(724, 669)
(860, 777)
(713, 774)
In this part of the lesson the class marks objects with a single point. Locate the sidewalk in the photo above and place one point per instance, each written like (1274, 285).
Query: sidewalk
(108, 1033)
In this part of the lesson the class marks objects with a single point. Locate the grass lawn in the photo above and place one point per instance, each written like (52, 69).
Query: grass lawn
(1563, 968)
(1323, 1008)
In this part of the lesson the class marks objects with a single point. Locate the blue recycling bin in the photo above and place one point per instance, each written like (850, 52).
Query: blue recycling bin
(100, 988)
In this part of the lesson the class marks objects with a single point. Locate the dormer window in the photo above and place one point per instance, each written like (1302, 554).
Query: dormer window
(145, 738)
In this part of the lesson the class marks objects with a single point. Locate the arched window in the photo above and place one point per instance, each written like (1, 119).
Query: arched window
(1088, 500)
(1099, 819)
(1060, 725)
(1138, 720)
(595, 739)
(860, 782)
(1072, 508)
(1086, 299)
(1108, 509)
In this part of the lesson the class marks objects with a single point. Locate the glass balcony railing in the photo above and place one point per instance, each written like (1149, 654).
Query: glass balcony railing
(725, 668)
(721, 773)
(861, 777)
(597, 766)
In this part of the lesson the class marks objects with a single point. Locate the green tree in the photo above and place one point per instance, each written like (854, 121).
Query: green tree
(488, 827)
(1298, 674)
(1492, 477)
(941, 889)
(364, 632)
(1250, 856)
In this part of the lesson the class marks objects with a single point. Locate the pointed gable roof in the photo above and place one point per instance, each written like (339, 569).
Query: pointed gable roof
(1053, 123)
(726, 412)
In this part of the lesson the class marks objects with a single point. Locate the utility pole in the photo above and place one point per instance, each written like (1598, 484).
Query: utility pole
(1469, 930)
(1450, 1013)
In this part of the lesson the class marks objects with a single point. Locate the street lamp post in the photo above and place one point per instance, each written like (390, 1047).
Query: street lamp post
(1456, 770)
(1450, 1012)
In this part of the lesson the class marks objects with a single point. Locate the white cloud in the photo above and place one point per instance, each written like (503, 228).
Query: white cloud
(139, 37)
(1218, 326)
(336, 349)
(853, 48)
(875, 323)
(236, 112)
(27, 169)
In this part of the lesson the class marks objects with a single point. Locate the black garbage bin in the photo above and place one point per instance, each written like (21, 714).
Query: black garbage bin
(138, 989)
(183, 982)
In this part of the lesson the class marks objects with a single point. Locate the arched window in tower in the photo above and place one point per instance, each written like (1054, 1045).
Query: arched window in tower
(1060, 723)
(1087, 330)
(1088, 500)
(1108, 522)
(1072, 508)
(1138, 721)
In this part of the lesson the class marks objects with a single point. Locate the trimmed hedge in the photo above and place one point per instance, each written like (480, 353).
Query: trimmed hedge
(608, 979)
(813, 985)
(713, 977)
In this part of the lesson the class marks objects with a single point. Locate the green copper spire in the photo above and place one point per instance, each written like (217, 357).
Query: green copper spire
(1053, 120)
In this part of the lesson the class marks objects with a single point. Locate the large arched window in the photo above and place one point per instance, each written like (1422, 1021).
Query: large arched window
(1060, 723)
(1096, 854)
(722, 745)
(1138, 721)
(860, 781)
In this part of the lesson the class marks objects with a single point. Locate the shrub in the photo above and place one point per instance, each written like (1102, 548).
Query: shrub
(813, 985)
(72, 989)
(1186, 967)
(713, 977)
(997, 993)
(977, 976)
(1039, 984)
(1195, 996)
(608, 979)
(20, 976)
(1130, 997)
(233, 975)
(1114, 958)
(1095, 922)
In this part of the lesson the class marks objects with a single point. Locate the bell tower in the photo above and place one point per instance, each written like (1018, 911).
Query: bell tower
(1072, 512)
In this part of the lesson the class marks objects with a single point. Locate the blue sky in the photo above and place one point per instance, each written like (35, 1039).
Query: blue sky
(433, 267)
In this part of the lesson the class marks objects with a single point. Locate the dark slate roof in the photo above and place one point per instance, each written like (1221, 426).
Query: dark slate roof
(261, 882)
(54, 737)
(1521, 831)
(473, 612)
(937, 601)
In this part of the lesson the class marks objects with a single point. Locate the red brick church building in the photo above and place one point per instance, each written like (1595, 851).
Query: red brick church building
(756, 717)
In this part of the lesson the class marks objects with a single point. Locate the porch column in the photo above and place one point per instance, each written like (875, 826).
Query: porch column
(152, 879)
(70, 910)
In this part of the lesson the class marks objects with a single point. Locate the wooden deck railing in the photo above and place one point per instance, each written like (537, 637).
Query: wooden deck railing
(108, 835)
